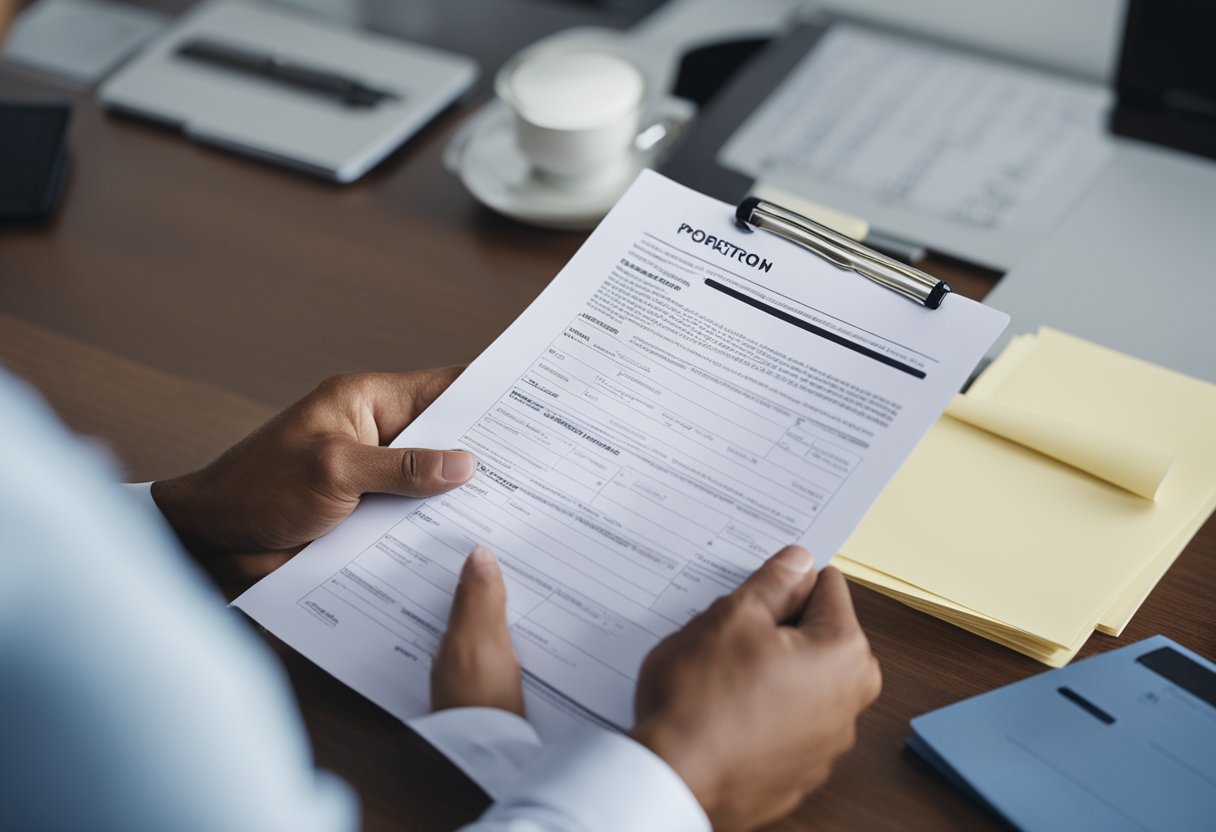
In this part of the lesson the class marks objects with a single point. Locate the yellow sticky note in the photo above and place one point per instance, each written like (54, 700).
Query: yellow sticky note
(1034, 545)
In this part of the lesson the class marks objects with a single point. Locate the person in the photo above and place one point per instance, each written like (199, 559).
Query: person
(131, 699)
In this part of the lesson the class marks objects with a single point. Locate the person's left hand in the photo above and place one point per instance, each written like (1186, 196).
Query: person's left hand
(304, 471)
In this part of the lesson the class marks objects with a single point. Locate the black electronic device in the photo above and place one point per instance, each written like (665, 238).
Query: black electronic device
(1167, 75)
(33, 159)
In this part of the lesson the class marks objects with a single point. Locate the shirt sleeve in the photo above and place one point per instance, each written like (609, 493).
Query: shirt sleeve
(489, 745)
(130, 698)
(141, 492)
(595, 781)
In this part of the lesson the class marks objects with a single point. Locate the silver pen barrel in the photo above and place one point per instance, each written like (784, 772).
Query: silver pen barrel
(843, 251)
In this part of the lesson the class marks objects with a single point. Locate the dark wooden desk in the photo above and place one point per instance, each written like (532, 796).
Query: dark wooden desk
(182, 295)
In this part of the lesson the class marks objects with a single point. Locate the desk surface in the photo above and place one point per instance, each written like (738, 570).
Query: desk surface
(182, 295)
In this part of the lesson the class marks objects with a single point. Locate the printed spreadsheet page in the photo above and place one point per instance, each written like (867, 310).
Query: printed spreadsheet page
(960, 152)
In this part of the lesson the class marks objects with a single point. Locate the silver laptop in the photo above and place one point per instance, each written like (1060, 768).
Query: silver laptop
(288, 125)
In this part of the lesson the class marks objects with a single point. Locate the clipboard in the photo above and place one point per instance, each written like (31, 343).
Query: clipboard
(932, 199)
(695, 161)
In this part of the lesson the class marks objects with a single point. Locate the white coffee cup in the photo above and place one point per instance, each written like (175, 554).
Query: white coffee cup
(577, 111)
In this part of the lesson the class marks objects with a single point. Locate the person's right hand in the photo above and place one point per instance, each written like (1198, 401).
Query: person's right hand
(750, 703)
(753, 701)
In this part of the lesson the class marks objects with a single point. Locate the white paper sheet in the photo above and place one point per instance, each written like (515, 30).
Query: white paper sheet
(645, 438)
(956, 151)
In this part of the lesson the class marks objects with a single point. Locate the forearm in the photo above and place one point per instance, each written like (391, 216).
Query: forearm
(198, 524)
(151, 497)
(232, 573)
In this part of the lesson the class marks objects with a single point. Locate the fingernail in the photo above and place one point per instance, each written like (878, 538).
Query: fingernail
(458, 466)
(795, 559)
(481, 556)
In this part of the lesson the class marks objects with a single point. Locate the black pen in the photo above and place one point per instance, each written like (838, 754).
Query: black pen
(350, 91)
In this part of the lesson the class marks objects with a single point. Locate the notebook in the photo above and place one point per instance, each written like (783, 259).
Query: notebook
(1121, 741)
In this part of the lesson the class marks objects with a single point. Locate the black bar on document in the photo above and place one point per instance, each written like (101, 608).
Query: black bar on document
(815, 330)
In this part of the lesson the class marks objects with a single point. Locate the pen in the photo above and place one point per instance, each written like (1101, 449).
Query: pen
(350, 91)
(842, 251)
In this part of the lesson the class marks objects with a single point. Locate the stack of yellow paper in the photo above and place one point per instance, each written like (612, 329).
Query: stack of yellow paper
(989, 529)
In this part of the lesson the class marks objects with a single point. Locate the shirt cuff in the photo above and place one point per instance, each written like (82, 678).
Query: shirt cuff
(142, 493)
(603, 782)
(489, 745)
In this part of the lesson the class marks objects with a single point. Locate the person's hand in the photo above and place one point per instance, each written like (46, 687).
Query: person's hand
(304, 471)
(750, 703)
(755, 698)
(476, 664)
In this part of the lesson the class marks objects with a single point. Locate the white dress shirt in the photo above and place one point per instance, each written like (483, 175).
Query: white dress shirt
(131, 699)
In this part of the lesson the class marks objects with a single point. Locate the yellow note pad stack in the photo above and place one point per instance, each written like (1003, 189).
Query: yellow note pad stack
(1000, 537)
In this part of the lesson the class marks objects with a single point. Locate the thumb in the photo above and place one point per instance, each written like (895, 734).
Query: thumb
(475, 665)
(830, 611)
(782, 584)
(479, 607)
(410, 472)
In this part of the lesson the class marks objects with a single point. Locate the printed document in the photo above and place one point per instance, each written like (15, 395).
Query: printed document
(959, 152)
(684, 399)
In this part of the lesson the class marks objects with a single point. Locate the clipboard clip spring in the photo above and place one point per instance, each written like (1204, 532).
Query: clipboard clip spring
(841, 251)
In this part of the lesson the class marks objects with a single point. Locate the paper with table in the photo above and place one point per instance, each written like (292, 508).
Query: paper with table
(684, 399)
(1041, 552)
(965, 153)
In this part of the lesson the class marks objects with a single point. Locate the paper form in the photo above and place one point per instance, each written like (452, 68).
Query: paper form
(964, 153)
(684, 399)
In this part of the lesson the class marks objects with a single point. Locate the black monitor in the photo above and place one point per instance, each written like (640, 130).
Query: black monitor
(1167, 75)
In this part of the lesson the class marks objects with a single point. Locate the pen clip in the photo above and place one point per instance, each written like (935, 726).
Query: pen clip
(842, 251)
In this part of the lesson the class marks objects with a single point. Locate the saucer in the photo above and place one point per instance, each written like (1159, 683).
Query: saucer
(485, 156)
